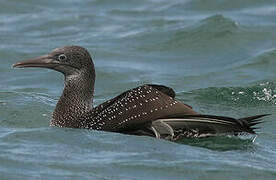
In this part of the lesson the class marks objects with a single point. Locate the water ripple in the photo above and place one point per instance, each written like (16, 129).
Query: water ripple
(256, 95)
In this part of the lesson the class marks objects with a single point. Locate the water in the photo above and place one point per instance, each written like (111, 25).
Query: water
(218, 55)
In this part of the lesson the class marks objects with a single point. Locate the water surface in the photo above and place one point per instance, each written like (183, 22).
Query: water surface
(219, 56)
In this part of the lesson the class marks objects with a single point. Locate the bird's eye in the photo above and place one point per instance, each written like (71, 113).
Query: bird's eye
(62, 57)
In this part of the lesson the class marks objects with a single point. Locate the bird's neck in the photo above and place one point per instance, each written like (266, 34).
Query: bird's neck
(76, 99)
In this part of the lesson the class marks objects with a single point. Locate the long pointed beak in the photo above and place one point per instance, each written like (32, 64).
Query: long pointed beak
(42, 61)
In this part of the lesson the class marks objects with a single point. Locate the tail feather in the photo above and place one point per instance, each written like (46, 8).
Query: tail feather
(204, 125)
(251, 121)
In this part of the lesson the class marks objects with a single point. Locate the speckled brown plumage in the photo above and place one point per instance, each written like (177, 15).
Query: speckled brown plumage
(145, 110)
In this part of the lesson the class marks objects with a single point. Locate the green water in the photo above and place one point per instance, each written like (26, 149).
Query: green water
(219, 56)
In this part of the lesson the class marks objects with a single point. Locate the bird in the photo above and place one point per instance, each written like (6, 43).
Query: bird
(147, 110)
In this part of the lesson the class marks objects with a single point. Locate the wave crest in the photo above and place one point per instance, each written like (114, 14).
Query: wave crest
(257, 95)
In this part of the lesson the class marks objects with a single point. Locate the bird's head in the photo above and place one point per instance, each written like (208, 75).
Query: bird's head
(68, 60)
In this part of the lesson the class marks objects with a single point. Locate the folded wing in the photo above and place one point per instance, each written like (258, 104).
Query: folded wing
(179, 126)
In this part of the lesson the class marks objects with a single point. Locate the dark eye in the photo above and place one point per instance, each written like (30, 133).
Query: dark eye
(62, 57)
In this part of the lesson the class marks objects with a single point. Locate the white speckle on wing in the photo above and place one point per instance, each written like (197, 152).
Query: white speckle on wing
(140, 104)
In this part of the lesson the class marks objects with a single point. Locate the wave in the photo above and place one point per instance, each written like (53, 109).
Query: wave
(217, 30)
(264, 59)
(216, 26)
(260, 94)
(215, 5)
(204, 32)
